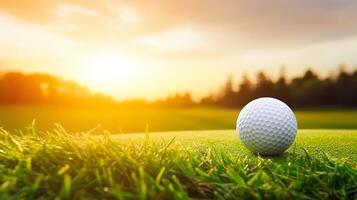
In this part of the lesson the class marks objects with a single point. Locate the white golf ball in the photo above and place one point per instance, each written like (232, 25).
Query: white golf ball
(267, 126)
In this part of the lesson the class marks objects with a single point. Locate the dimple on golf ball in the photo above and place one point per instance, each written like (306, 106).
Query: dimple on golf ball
(267, 126)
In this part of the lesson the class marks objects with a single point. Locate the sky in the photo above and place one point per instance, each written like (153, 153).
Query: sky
(149, 49)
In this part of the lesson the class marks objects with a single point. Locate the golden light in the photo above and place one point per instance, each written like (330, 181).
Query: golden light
(105, 72)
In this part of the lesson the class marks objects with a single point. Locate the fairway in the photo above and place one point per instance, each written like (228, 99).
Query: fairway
(174, 165)
(136, 120)
(336, 143)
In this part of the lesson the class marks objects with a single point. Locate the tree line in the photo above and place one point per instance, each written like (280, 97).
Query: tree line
(44, 89)
(17, 88)
(308, 90)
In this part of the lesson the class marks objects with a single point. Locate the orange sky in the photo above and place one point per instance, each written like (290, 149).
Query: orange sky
(149, 49)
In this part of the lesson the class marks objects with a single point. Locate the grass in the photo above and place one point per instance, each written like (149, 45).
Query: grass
(174, 165)
(135, 120)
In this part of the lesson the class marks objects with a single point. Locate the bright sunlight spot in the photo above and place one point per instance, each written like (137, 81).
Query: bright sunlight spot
(107, 71)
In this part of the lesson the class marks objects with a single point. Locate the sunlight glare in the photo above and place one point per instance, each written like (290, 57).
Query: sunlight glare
(107, 71)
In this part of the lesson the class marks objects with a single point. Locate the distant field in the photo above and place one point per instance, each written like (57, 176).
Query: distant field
(121, 120)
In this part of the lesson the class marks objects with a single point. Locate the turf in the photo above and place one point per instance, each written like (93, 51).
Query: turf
(135, 120)
(174, 165)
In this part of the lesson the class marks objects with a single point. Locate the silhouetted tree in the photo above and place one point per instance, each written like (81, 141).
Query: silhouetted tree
(281, 90)
(208, 100)
(346, 88)
(264, 86)
(175, 101)
(307, 90)
(228, 97)
(245, 92)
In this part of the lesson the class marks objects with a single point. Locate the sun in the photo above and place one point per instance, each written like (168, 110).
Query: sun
(103, 72)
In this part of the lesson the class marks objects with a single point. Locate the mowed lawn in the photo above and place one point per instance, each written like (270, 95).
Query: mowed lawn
(138, 120)
(174, 165)
(336, 143)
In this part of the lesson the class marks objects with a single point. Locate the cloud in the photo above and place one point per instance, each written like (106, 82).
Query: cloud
(253, 23)
(31, 43)
(67, 10)
(176, 39)
(30, 11)
(128, 15)
(263, 23)
(328, 54)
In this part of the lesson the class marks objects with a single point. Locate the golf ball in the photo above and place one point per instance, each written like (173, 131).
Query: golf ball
(267, 126)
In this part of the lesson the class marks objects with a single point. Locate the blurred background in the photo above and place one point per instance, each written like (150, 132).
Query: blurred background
(131, 66)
